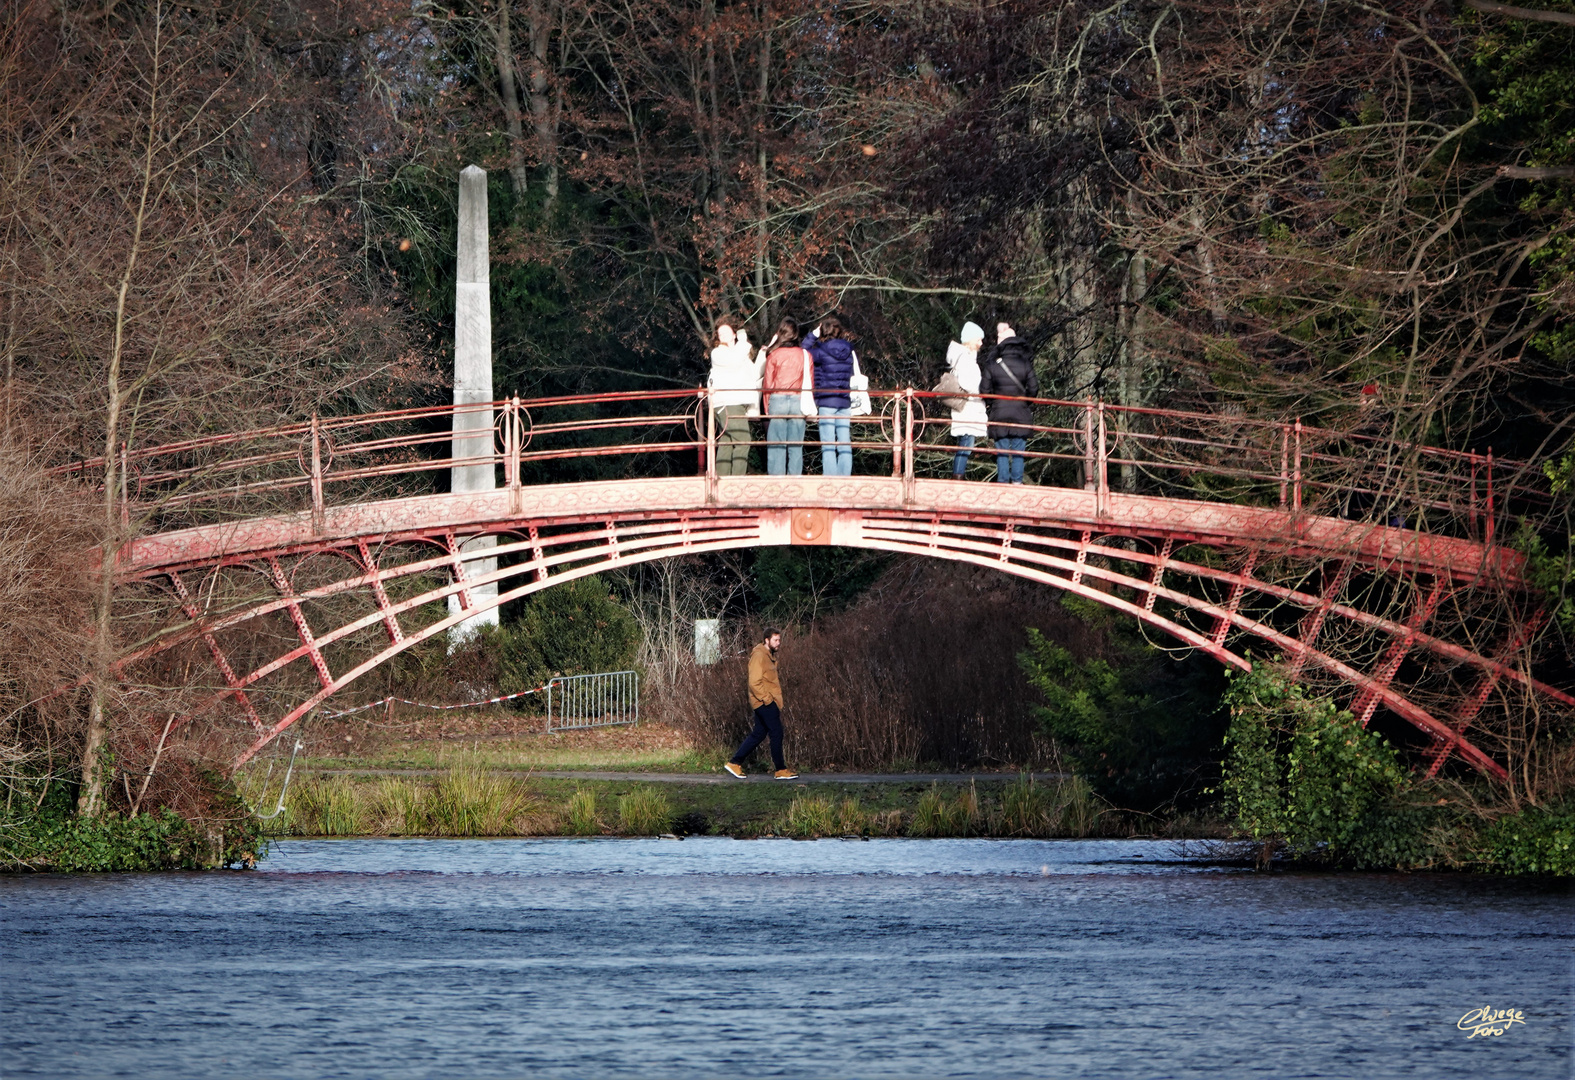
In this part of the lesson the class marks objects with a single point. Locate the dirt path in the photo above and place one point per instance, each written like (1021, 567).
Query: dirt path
(712, 778)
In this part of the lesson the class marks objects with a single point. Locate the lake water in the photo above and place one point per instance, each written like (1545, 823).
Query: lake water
(718, 957)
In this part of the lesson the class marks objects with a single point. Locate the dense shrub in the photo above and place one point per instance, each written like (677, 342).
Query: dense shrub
(576, 628)
(1143, 728)
(921, 668)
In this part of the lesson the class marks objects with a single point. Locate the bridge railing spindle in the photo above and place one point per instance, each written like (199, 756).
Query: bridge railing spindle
(708, 451)
(1102, 472)
(515, 437)
(317, 476)
(1296, 472)
(1090, 481)
(1285, 463)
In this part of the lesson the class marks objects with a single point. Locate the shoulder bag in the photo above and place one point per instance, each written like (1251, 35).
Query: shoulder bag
(953, 395)
(858, 391)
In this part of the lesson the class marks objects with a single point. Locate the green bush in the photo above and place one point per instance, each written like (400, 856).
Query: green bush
(1534, 841)
(576, 628)
(645, 811)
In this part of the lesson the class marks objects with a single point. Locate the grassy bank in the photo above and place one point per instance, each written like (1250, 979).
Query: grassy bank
(471, 800)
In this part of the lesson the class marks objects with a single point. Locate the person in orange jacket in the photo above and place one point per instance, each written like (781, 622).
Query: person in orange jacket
(765, 697)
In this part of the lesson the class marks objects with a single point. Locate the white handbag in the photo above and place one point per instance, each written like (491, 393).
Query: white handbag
(858, 391)
(806, 397)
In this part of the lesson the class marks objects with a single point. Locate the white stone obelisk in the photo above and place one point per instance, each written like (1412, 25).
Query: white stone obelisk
(473, 436)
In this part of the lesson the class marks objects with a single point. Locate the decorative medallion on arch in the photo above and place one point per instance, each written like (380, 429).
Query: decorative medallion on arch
(812, 526)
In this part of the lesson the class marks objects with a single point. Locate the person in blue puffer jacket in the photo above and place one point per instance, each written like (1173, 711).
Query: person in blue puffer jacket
(835, 362)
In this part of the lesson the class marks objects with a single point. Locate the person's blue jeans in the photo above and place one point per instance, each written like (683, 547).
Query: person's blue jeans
(1009, 460)
(785, 426)
(836, 449)
(960, 464)
(768, 721)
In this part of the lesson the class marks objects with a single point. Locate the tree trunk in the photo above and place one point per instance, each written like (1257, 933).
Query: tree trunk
(544, 112)
(762, 228)
(511, 106)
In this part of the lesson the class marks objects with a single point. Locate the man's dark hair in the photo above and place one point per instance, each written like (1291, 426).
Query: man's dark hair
(771, 632)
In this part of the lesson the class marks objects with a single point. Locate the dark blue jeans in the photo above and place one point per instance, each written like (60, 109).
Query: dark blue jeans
(768, 721)
(1009, 466)
(960, 462)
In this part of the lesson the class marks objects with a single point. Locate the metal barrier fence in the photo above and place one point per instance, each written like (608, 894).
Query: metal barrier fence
(605, 699)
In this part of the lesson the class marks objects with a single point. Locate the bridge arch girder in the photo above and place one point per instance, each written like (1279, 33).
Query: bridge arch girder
(1069, 554)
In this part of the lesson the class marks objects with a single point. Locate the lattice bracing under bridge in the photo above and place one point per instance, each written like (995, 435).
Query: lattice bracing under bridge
(299, 559)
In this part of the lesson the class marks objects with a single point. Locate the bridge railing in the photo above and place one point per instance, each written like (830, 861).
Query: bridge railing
(326, 461)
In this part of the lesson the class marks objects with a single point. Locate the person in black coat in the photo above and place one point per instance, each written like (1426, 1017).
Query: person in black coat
(1008, 369)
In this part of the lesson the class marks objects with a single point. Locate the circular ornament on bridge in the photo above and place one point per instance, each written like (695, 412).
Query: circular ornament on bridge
(325, 451)
(811, 526)
(526, 428)
(890, 409)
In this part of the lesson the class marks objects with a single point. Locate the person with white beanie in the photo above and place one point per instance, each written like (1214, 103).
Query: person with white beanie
(970, 422)
(735, 396)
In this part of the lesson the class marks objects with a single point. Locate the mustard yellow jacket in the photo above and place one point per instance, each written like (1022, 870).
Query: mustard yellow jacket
(763, 684)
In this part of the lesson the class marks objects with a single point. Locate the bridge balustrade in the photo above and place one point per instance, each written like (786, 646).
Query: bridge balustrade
(334, 460)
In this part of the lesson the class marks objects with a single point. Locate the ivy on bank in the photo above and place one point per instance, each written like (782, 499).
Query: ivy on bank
(53, 838)
(1306, 781)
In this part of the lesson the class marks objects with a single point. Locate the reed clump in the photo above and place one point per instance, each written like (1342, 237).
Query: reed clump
(1066, 807)
(819, 815)
(466, 801)
(936, 815)
(645, 811)
(582, 814)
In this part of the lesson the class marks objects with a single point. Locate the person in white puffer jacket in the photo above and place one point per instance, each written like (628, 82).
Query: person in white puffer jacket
(970, 422)
(735, 397)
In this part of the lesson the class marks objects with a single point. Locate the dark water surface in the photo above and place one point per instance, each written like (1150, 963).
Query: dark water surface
(454, 958)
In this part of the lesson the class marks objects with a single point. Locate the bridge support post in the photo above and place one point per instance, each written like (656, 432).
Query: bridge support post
(1102, 470)
(1089, 481)
(473, 434)
(710, 446)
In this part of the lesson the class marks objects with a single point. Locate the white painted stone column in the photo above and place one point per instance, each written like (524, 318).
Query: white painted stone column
(473, 434)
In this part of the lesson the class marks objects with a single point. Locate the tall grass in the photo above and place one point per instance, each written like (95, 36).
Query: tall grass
(819, 815)
(582, 814)
(466, 801)
(1064, 808)
(645, 811)
(936, 815)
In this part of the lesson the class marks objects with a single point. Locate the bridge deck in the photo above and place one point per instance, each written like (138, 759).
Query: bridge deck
(846, 500)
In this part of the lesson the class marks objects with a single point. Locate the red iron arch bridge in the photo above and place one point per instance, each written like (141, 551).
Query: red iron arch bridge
(1365, 559)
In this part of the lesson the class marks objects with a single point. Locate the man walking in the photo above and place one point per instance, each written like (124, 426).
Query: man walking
(765, 697)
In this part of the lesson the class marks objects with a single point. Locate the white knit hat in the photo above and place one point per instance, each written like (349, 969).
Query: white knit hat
(972, 332)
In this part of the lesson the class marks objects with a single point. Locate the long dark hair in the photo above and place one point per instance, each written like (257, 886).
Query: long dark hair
(831, 327)
(716, 330)
(787, 332)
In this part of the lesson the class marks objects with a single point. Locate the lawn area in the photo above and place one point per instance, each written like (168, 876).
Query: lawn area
(648, 748)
